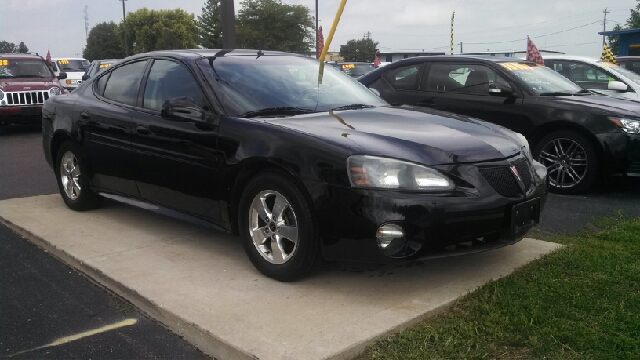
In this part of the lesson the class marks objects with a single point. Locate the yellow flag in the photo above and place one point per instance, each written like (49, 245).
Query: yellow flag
(607, 55)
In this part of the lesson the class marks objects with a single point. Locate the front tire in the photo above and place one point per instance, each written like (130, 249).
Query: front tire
(570, 158)
(73, 182)
(278, 232)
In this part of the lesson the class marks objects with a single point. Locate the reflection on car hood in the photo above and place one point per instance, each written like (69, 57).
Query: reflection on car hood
(409, 133)
(608, 105)
(25, 84)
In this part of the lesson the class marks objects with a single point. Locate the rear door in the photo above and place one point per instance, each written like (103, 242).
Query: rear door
(105, 121)
(463, 88)
(176, 160)
(400, 85)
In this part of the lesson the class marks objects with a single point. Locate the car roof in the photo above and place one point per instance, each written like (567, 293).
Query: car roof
(67, 58)
(198, 53)
(351, 62)
(21, 56)
(627, 57)
(481, 58)
(572, 57)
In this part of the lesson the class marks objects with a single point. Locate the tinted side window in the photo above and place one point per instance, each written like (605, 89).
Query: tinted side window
(405, 78)
(101, 84)
(590, 77)
(169, 80)
(124, 82)
(466, 79)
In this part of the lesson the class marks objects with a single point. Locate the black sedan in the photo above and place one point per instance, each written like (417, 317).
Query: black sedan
(579, 136)
(304, 168)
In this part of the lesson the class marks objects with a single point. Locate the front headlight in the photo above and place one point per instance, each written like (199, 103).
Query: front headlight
(627, 125)
(1, 95)
(376, 172)
(54, 91)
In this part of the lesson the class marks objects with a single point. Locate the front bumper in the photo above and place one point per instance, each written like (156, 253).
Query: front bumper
(26, 115)
(633, 155)
(475, 218)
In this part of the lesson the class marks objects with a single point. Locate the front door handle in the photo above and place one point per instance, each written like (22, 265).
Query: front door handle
(143, 130)
(85, 115)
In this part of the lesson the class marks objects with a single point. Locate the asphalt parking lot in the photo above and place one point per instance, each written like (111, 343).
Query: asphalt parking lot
(60, 302)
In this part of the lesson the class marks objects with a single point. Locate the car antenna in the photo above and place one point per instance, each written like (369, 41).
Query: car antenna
(220, 53)
(260, 53)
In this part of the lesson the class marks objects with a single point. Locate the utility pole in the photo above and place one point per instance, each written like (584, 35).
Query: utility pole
(367, 35)
(317, 47)
(604, 23)
(461, 48)
(86, 22)
(124, 28)
(228, 24)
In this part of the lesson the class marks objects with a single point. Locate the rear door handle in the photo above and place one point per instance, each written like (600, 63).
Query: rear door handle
(85, 115)
(143, 130)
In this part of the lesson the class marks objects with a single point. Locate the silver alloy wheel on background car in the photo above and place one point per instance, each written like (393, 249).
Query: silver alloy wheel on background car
(566, 162)
(70, 175)
(273, 227)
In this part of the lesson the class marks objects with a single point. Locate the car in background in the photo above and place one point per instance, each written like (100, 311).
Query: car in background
(596, 75)
(73, 67)
(631, 63)
(354, 69)
(303, 169)
(579, 136)
(98, 66)
(26, 82)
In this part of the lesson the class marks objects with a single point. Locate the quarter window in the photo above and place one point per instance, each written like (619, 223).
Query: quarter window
(405, 78)
(169, 80)
(124, 82)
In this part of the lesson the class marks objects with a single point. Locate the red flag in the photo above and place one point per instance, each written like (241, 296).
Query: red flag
(48, 58)
(320, 42)
(376, 61)
(533, 54)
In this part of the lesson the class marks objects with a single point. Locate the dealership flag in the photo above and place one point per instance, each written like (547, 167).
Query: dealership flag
(48, 59)
(607, 55)
(376, 61)
(532, 53)
(320, 42)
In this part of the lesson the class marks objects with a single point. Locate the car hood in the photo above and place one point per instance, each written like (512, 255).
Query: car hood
(607, 105)
(414, 134)
(25, 84)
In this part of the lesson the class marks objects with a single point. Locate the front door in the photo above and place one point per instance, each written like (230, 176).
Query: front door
(464, 89)
(176, 160)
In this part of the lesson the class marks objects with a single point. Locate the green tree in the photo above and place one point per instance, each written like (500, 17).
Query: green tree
(104, 43)
(632, 23)
(22, 48)
(272, 25)
(150, 30)
(209, 28)
(7, 47)
(359, 50)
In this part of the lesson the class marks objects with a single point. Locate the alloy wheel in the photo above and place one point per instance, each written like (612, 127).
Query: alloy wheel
(273, 227)
(566, 162)
(70, 175)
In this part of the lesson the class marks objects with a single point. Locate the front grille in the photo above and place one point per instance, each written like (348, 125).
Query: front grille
(26, 97)
(524, 170)
(502, 180)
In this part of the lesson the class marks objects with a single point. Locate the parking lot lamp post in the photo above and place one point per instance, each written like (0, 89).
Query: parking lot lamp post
(124, 28)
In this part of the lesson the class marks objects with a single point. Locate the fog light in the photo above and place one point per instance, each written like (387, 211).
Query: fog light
(387, 233)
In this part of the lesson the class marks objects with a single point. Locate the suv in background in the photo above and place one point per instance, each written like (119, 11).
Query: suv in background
(26, 82)
(74, 67)
(631, 63)
(353, 68)
(579, 136)
(597, 75)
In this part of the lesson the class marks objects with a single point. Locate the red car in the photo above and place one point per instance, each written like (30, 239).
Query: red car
(26, 82)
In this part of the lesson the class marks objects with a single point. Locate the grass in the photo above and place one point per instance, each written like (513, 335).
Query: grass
(581, 302)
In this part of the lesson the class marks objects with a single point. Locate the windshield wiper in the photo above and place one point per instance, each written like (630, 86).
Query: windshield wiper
(276, 111)
(352, 107)
(584, 92)
(557, 93)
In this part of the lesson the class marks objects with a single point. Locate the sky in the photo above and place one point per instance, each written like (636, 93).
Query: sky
(570, 26)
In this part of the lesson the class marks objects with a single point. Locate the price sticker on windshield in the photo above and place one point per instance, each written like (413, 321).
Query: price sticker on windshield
(63, 62)
(348, 66)
(104, 66)
(512, 66)
(4, 62)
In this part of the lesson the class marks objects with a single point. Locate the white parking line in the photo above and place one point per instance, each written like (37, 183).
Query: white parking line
(68, 339)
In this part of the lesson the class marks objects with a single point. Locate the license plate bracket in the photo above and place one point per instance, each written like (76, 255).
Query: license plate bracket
(525, 215)
(30, 111)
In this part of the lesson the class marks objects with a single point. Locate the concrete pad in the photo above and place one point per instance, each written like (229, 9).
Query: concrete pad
(200, 283)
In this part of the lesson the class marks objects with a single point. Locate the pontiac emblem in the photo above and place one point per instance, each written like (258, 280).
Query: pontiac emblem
(515, 172)
(518, 178)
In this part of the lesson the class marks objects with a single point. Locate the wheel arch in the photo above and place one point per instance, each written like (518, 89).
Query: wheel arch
(58, 138)
(548, 128)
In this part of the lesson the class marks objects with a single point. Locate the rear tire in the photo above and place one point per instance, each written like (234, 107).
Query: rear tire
(277, 228)
(73, 182)
(571, 161)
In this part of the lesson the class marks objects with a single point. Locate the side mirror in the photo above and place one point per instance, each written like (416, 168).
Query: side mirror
(500, 90)
(62, 76)
(182, 109)
(85, 77)
(617, 86)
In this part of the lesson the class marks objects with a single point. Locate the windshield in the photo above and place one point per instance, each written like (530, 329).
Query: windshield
(16, 68)
(619, 69)
(355, 70)
(541, 79)
(251, 84)
(73, 65)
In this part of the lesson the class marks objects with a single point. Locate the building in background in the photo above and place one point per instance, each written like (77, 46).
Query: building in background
(629, 43)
